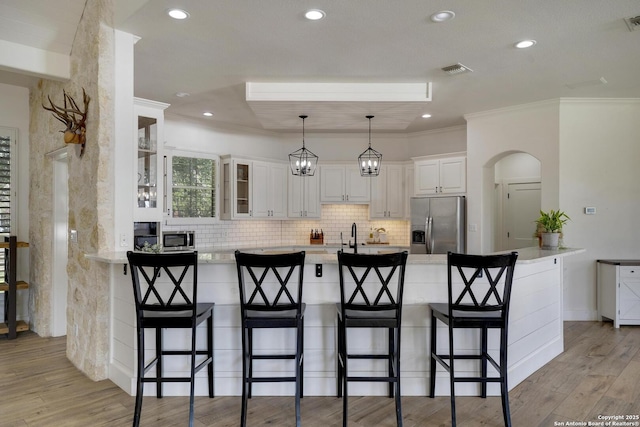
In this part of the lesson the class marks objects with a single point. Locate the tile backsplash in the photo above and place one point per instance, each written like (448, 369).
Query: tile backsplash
(335, 219)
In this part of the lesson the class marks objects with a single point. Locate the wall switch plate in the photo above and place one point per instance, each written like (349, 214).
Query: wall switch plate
(318, 270)
(590, 210)
(73, 236)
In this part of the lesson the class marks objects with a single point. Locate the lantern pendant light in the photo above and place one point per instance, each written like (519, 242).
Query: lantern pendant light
(302, 161)
(370, 160)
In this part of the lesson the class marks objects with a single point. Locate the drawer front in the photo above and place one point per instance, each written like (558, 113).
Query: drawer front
(630, 272)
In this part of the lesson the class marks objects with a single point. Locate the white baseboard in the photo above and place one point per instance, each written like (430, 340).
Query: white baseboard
(580, 315)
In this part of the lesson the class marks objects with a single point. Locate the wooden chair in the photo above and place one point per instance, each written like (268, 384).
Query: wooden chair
(481, 302)
(371, 288)
(270, 297)
(169, 302)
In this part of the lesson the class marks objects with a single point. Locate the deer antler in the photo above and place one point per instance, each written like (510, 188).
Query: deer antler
(73, 118)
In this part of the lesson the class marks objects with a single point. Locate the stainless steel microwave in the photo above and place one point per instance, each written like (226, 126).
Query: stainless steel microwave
(178, 240)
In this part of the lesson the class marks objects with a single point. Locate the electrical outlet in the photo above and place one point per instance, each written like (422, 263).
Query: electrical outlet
(123, 240)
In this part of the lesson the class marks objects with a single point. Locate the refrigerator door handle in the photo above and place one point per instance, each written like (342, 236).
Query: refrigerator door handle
(428, 240)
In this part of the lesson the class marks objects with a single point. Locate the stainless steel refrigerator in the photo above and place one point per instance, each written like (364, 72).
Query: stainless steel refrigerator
(437, 225)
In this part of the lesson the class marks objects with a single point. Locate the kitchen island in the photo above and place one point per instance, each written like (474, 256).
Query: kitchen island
(535, 325)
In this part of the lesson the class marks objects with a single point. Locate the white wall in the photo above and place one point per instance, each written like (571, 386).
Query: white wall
(599, 167)
(439, 141)
(14, 113)
(589, 152)
(517, 165)
(492, 135)
(184, 133)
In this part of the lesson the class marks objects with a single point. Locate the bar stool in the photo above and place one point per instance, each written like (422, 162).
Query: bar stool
(370, 298)
(481, 301)
(169, 302)
(270, 301)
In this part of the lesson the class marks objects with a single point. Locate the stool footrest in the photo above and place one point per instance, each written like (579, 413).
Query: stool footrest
(269, 379)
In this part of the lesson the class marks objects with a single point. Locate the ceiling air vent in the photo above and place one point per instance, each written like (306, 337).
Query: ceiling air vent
(633, 23)
(457, 69)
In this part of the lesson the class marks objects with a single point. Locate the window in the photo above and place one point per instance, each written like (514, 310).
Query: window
(192, 184)
(7, 143)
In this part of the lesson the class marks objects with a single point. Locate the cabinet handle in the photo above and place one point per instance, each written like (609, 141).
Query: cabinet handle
(347, 197)
(343, 197)
(250, 213)
(305, 213)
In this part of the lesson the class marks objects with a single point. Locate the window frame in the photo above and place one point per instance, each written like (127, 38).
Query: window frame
(168, 187)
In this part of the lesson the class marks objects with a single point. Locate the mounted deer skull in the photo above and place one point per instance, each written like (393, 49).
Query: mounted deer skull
(73, 118)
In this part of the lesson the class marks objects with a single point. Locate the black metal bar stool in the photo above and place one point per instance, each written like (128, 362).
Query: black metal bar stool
(271, 298)
(481, 301)
(169, 302)
(371, 289)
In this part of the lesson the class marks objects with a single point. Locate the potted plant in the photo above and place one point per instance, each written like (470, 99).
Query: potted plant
(550, 227)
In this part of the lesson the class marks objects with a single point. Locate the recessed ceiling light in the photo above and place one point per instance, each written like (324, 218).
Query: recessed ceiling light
(314, 14)
(525, 44)
(182, 94)
(443, 15)
(426, 116)
(178, 13)
(207, 113)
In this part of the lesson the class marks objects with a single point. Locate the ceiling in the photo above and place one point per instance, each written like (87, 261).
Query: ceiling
(227, 43)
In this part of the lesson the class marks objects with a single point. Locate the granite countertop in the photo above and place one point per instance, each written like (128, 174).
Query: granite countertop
(327, 254)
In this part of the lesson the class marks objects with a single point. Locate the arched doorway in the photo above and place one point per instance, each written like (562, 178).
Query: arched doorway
(517, 195)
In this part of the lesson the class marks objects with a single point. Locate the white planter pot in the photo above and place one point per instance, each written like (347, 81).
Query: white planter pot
(550, 240)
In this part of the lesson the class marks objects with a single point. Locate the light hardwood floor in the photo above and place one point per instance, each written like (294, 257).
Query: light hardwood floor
(598, 374)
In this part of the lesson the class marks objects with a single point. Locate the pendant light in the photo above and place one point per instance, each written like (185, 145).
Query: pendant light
(302, 161)
(370, 160)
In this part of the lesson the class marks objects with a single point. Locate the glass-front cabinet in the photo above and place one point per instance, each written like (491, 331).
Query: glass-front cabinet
(237, 186)
(149, 139)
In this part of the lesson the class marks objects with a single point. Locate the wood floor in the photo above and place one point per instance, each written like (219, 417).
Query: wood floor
(598, 374)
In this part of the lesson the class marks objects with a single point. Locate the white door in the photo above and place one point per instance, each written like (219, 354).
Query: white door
(357, 186)
(332, 183)
(395, 192)
(260, 191)
(522, 208)
(278, 190)
(427, 177)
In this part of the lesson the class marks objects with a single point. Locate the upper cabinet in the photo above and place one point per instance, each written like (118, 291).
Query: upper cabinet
(343, 184)
(387, 193)
(304, 196)
(149, 140)
(253, 189)
(440, 175)
(269, 190)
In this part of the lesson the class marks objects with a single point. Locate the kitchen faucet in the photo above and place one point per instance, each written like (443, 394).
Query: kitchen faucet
(354, 234)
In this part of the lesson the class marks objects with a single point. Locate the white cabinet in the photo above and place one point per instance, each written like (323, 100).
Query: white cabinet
(619, 291)
(409, 184)
(440, 175)
(387, 193)
(236, 188)
(253, 189)
(304, 196)
(149, 140)
(343, 184)
(269, 190)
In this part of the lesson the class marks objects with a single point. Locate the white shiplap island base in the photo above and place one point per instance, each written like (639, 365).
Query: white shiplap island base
(535, 327)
